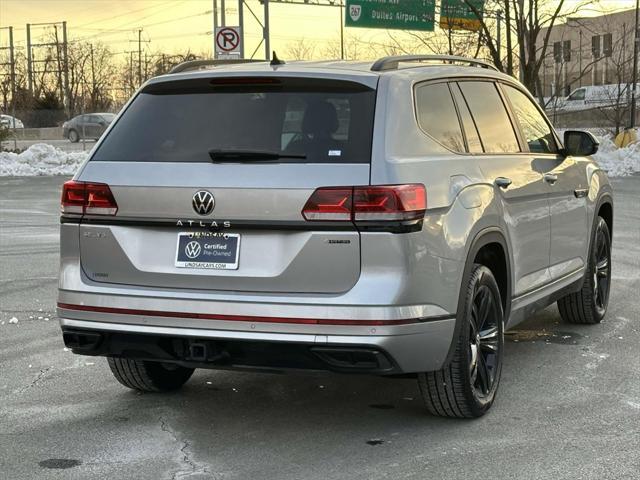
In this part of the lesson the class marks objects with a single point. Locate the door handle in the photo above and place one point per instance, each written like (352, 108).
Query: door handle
(550, 178)
(502, 182)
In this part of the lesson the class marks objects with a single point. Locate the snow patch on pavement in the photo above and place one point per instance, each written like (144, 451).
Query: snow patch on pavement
(13, 320)
(618, 162)
(40, 159)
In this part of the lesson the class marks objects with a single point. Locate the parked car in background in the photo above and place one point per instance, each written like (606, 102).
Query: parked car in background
(8, 121)
(597, 96)
(88, 125)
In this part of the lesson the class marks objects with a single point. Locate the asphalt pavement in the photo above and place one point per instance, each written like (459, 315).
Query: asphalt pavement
(568, 405)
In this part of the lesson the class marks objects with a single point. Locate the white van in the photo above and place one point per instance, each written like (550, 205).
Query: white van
(598, 96)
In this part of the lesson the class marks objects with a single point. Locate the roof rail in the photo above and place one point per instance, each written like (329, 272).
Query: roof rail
(195, 64)
(393, 63)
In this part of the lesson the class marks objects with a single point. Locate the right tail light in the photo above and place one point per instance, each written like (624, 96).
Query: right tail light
(375, 203)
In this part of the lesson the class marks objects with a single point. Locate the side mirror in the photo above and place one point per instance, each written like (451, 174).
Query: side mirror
(578, 143)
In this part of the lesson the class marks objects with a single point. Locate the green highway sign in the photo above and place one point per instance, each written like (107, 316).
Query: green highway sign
(391, 14)
(458, 15)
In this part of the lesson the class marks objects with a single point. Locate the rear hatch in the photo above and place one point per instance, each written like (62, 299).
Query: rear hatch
(210, 177)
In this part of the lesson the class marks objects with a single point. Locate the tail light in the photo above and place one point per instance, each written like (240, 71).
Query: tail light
(87, 198)
(381, 203)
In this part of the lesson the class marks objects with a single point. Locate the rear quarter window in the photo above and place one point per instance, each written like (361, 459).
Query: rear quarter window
(436, 114)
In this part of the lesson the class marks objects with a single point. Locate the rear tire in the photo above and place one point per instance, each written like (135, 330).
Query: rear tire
(589, 304)
(467, 386)
(73, 136)
(149, 376)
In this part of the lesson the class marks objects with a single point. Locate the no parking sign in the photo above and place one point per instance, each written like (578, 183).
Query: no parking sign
(228, 41)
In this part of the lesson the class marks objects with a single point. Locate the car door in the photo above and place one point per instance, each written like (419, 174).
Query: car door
(519, 184)
(93, 126)
(566, 184)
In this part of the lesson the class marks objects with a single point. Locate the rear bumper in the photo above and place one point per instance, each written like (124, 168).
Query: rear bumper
(389, 349)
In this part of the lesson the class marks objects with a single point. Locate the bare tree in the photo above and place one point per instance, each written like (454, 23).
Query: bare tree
(300, 49)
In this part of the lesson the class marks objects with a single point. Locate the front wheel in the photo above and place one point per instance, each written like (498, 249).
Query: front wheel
(149, 376)
(589, 304)
(467, 386)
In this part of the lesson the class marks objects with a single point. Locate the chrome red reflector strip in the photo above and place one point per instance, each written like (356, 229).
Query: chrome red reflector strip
(236, 318)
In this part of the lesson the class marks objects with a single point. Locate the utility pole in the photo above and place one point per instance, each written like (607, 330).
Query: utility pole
(241, 25)
(29, 60)
(634, 76)
(139, 57)
(140, 42)
(65, 66)
(499, 34)
(265, 31)
(93, 80)
(12, 81)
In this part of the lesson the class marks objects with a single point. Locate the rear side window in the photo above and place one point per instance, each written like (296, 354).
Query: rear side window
(437, 115)
(470, 129)
(491, 118)
(533, 125)
(311, 120)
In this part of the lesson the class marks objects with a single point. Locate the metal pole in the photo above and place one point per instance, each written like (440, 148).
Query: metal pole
(223, 16)
(265, 31)
(636, 47)
(29, 60)
(67, 103)
(499, 34)
(241, 24)
(12, 59)
(139, 57)
(341, 31)
(215, 25)
(580, 57)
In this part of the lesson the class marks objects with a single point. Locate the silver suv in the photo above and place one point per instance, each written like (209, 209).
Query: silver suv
(390, 218)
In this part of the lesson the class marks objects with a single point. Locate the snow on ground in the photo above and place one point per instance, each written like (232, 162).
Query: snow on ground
(40, 159)
(618, 162)
(44, 159)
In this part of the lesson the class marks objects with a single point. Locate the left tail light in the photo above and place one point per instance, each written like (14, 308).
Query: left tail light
(87, 198)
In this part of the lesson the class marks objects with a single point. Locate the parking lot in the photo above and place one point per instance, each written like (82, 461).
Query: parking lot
(568, 405)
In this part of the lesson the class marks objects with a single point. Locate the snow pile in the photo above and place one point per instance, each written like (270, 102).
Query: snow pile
(40, 159)
(13, 320)
(618, 162)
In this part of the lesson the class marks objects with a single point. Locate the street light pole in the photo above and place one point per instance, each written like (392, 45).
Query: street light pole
(634, 77)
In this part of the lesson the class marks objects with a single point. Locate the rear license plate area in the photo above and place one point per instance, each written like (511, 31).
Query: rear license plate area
(208, 250)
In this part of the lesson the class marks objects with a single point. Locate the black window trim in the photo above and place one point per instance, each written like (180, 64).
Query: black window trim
(473, 120)
(524, 149)
(455, 106)
(527, 150)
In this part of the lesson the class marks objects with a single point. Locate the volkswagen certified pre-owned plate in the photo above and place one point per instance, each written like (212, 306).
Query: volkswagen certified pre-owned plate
(212, 250)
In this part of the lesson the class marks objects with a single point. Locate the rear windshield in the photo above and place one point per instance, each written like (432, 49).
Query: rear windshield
(304, 120)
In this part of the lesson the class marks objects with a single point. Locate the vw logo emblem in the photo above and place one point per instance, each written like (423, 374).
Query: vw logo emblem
(203, 202)
(192, 250)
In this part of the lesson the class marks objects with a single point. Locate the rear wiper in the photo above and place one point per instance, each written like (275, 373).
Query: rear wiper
(248, 156)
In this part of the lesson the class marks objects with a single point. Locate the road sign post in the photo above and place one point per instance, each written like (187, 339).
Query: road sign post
(391, 14)
(228, 42)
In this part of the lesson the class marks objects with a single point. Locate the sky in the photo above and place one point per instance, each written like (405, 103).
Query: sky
(177, 25)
